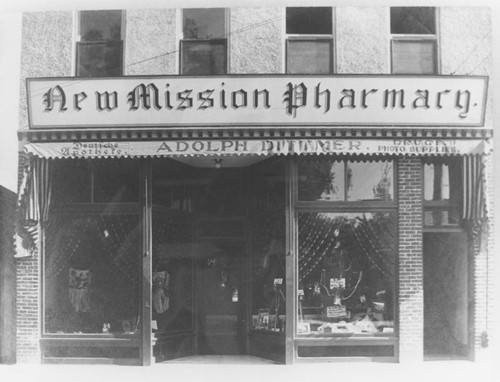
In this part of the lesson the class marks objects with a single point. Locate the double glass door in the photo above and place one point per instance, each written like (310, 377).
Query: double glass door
(218, 260)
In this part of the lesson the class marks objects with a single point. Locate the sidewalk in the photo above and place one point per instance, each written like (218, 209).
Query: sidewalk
(444, 371)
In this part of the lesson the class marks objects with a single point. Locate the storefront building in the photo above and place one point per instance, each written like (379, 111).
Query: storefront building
(297, 184)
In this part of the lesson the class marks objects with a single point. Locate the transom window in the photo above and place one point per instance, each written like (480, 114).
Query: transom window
(414, 40)
(329, 179)
(204, 44)
(95, 181)
(309, 44)
(99, 51)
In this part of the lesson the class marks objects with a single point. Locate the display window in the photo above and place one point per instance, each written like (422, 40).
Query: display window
(346, 246)
(92, 274)
(92, 261)
(346, 273)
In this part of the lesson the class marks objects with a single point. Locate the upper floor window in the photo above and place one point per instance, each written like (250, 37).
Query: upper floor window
(442, 192)
(99, 51)
(414, 41)
(309, 44)
(204, 44)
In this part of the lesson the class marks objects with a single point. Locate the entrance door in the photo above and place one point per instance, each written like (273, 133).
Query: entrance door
(227, 226)
(446, 307)
(222, 299)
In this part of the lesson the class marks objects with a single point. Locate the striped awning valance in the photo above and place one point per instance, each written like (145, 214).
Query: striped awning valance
(259, 147)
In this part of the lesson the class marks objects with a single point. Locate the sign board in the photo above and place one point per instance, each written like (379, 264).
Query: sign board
(259, 147)
(336, 311)
(257, 100)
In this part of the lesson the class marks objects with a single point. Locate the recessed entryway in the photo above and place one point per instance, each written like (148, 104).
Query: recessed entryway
(446, 301)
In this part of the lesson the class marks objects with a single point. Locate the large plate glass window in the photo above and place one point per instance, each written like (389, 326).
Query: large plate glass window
(414, 40)
(92, 274)
(99, 51)
(346, 273)
(92, 253)
(347, 249)
(309, 43)
(204, 43)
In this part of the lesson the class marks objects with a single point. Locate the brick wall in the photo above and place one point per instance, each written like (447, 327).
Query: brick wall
(411, 308)
(47, 51)
(483, 282)
(27, 296)
(27, 309)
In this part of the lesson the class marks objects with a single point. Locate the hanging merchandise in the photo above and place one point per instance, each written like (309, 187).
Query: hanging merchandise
(79, 289)
(234, 297)
(223, 279)
(161, 300)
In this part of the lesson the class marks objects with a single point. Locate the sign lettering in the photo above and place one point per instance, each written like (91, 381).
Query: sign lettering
(278, 100)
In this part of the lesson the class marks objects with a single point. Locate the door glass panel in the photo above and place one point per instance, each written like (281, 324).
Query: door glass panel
(172, 286)
(268, 248)
(221, 279)
(446, 303)
(346, 273)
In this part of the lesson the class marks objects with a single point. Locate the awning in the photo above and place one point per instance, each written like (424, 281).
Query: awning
(259, 147)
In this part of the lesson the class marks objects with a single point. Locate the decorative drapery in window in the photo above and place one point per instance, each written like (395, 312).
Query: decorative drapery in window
(475, 212)
(33, 204)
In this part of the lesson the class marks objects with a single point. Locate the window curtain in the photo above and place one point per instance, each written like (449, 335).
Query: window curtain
(475, 213)
(33, 204)
(474, 206)
(474, 200)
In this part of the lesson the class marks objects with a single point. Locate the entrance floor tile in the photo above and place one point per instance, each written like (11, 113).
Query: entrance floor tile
(222, 359)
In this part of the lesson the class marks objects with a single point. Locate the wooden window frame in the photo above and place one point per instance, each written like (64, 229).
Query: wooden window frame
(440, 205)
(140, 340)
(296, 207)
(416, 38)
(216, 40)
(311, 38)
(118, 43)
